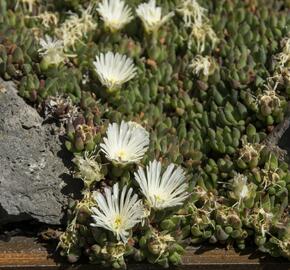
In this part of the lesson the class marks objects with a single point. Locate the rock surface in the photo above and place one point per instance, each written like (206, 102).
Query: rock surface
(32, 171)
(278, 140)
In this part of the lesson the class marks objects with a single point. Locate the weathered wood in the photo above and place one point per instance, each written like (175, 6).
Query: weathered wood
(26, 253)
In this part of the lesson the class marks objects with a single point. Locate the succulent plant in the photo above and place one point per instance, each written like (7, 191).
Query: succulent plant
(198, 84)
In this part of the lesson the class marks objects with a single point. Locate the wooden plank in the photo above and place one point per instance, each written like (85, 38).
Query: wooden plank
(26, 253)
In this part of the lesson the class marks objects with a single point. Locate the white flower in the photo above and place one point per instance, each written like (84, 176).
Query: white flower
(162, 191)
(52, 50)
(49, 45)
(125, 143)
(115, 14)
(203, 64)
(117, 211)
(151, 16)
(114, 70)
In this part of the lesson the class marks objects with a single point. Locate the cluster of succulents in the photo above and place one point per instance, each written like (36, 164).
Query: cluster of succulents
(188, 90)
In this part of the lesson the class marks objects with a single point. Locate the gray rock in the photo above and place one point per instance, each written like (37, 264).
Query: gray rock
(33, 175)
(279, 139)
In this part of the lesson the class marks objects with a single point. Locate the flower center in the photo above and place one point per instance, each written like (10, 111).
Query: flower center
(121, 154)
(117, 223)
(154, 19)
(113, 82)
(115, 22)
(159, 198)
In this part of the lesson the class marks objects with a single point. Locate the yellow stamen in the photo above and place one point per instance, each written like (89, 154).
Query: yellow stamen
(159, 198)
(121, 154)
(118, 222)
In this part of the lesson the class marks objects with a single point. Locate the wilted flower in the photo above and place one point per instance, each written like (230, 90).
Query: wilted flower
(151, 15)
(76, 27)
(194, 17)
(202, 33)
(162, 190)
(269, 99)
(240, 187)
(114, 70)
(28, 3)
(203, 64)
(192, 12)
(117, 211)
(125, 143)
(48, 19)
(159, 242)
(88, 168)
(60, 107)
(87, 22)
(250, 151)
(284, 57)
(115, 14)
(261, 220)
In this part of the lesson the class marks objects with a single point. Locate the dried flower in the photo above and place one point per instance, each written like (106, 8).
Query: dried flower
(88, 168)
(240, 187)
(192, 13)
(28, 3)
(201, 33)
(284, 57)
(75, 28)
(203, 64)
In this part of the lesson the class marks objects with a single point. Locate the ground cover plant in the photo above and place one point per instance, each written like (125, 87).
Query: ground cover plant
(165, 106)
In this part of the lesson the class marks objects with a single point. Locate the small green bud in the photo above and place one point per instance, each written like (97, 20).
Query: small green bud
(175, 258)
(167, 225)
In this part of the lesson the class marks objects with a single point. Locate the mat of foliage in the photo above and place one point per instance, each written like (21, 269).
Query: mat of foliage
(164, 105)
